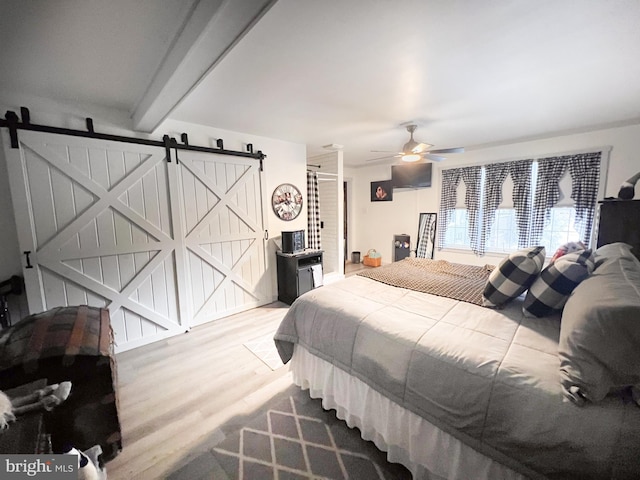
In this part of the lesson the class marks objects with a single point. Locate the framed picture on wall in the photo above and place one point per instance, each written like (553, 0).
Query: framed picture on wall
(381, 191)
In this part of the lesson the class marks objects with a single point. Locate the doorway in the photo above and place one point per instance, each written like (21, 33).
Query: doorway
(328, 168)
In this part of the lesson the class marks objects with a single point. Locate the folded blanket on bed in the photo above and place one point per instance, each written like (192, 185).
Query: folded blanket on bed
(438, 277)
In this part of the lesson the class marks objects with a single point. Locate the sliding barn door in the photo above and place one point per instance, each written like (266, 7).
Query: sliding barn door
(223, 233)
(96, 219)
(163, 245)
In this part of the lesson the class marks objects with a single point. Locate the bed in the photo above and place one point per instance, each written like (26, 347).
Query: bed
(453, 389)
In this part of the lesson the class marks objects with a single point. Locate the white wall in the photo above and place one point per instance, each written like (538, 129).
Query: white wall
(9, 253)
(375, 223)
(285, 163)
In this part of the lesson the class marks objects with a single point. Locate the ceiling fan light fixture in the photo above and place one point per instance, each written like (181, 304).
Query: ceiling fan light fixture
(411, 157)
(413, 152)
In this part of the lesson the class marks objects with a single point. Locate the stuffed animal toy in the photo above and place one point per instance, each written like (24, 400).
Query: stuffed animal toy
(568, 247)
(46, 398)
(627, 189)
(6, 414)
(90, 466)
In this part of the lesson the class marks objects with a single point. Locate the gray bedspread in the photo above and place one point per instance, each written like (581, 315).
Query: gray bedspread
(488, 377)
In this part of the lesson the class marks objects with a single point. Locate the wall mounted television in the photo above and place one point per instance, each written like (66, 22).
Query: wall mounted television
(411, 175)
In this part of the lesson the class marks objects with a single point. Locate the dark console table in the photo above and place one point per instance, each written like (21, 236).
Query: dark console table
(298, 273)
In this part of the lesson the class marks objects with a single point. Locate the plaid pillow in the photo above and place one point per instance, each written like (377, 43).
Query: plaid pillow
(552, 288)
(513, 276)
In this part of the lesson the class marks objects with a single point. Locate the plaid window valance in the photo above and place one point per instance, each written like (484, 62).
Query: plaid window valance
(485, 183)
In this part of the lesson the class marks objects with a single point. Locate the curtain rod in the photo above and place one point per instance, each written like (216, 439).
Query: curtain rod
(328, 174)
(13, 123)
(604, 149)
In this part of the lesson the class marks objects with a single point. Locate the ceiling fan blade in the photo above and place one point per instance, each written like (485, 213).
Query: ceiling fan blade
(421, 148)
(435, 158)
(448, 150)
(384, 151)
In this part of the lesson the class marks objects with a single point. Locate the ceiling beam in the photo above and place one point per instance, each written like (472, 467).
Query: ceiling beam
(212, 29)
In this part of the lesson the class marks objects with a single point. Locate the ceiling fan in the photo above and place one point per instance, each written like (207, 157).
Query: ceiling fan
(413, 151)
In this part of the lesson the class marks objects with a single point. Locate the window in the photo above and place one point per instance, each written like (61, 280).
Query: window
(504, 234)
(457, 235)
(510, 205)
(559, 230)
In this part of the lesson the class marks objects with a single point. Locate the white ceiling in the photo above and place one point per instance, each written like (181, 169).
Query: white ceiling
(98, 52)
(469, 73)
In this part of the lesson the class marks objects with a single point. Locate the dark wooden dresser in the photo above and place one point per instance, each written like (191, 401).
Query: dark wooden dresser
(619, 221)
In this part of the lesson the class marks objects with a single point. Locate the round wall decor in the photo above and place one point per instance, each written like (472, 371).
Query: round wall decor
(286, 201)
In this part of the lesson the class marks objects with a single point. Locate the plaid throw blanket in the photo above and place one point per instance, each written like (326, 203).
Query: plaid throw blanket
(63, 332)
(438, 277)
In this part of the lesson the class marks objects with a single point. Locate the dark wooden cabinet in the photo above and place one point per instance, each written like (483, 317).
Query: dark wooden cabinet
(298, 273)
(401, 246)
(619, 221)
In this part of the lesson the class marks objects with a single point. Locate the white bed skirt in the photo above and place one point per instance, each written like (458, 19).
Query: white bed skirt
(427, 451)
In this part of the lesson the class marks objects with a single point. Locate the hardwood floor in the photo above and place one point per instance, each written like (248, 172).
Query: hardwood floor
(354, 268)
(175, 394)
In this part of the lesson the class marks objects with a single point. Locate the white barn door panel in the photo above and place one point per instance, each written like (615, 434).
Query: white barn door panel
(224, 234)
(164, 246)
(96, 218)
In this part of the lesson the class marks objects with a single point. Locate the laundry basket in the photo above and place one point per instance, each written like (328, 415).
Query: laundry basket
(372, 258)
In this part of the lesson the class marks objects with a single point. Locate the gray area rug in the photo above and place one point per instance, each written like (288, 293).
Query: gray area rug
(265, 349)
(291, 438)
